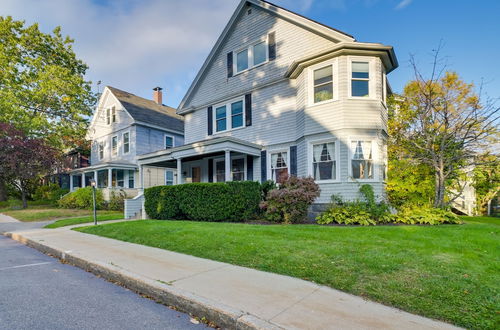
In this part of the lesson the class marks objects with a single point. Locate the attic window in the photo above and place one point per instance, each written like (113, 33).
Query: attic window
(251, 56)
(108, 116)
(249, 11)
(113, 114)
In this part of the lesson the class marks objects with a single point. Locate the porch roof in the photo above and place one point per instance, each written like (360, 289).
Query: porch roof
(204, 147)
(101, 166)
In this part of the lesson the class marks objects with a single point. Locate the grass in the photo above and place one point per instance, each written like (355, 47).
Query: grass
(77, 221)
(45, 213)
(447, 272)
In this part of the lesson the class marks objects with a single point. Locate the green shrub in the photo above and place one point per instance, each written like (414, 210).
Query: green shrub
(350, 214)
(429, 216)
(289, 203)
(51, 193)
(116, 201)
(231, 201)
(81, 199)
(266, 187)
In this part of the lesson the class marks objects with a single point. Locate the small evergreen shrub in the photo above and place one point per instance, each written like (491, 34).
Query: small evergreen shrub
(81, 199)
(230, 201)
(289, 203)
(51, 193)
(116, 201)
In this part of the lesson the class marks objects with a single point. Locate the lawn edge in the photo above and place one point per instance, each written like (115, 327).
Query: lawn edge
(203, 308)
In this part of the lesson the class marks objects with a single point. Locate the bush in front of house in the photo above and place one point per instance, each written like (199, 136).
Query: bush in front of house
(290, 201)
(230, 201)
(50, 193)
(81, 199)
(116, 201)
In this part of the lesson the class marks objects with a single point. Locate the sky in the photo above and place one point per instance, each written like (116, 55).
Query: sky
(136, 45)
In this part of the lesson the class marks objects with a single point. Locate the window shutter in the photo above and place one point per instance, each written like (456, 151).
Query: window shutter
(263, 166)
(210, 121)
(272, 46)
(249, 168)
(248, 110)
(210, 170)
(229, 64)
(293, 160)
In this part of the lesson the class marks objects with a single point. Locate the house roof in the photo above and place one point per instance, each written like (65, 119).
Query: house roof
(319, 28)
(148, 112)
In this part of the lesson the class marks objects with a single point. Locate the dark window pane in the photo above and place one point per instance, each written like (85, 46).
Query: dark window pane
(242, 60)
(237, 107)
(221, 125)
(323, 93)
(359, 88)
(360, 69)
(220, 112)
(237, 121)
(356, 169)
(259, 53)
(361, 75)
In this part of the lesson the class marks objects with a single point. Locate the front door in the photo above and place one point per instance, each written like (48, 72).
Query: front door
(196, 174)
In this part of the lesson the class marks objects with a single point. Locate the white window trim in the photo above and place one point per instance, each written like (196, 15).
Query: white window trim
(335, 81)
(123, 142)
(117, 146)
(174, 177)
(244, 166)
(113, 114)
(229, 117)
(108, 116)
(99, 151)
(310, 158)
(249, 47)
(375, 156)
(371, 77)
(165, 141)
(268, 160)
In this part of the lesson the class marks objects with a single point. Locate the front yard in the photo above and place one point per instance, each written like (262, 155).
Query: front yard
(447, 272)
(45, 213)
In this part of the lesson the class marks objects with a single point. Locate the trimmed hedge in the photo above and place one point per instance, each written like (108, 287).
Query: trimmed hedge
(230, 201)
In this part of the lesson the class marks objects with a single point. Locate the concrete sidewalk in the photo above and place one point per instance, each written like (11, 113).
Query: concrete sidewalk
(231, 296)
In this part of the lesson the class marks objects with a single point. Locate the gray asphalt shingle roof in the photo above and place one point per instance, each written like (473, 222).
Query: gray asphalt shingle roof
(148, 111)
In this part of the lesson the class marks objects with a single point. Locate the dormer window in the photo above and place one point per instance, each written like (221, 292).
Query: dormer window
(253, 55)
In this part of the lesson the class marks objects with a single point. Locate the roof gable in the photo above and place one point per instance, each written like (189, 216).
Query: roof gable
(306, 23)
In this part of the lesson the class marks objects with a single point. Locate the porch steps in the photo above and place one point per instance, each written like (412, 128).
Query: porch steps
(133, 207)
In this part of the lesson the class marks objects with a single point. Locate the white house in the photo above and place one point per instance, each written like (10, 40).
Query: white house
(123, 127)
(282, 94)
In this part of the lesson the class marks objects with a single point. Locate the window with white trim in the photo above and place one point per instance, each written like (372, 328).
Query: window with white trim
(238, 169)
(279, 166)
(169, 178)
(131, 178)
(229, 116)
(362, 159)
(101, 150)
(323, 84)
(220, 170)
(114, 145)
(360, 79)
(251, 56)
(324, 164)
(126, 142)
(169, 141)
(108, 116)
(113, 114)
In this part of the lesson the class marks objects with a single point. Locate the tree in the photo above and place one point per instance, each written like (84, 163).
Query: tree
(24, 159)
(486, 180)
(443, 123)
(42, 87)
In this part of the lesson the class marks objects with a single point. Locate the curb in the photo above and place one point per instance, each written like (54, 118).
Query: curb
(222, 315)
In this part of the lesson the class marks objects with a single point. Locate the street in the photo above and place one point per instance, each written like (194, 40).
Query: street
(39, 292)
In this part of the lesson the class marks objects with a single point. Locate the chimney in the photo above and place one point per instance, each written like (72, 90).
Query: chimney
(157, 95)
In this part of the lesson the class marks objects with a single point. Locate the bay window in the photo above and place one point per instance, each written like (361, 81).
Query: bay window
(362, 159)
(360, 79)
(323, 84)
(324, 164)
(279, 166)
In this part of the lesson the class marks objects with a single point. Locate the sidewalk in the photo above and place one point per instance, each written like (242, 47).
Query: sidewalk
(231, 296)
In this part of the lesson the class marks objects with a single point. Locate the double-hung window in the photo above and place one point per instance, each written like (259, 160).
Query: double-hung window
(169, 141)
(251, 56)
(362, 159)
(238, 169)
(108, 116)
(101, 150)
(323, 84)
(126, 142)
(360, 79)
(113, 114)
(114, 145)
(324, 163)
(169, 178)
(220, 170)
(279, 166)
(131, 177)
(229, 116)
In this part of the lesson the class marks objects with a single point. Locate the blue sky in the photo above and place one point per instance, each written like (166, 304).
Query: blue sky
(138, 44)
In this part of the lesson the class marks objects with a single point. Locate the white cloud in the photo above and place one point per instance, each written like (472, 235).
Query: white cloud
(134, 45)
(403, 4)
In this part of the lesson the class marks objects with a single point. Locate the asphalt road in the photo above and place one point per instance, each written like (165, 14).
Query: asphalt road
(39, 292)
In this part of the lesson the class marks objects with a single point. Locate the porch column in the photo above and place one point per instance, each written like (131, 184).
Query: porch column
(179, 171)
(83, 180)
(110, 177)
(95, 179)
(71, 182)
(227, 163)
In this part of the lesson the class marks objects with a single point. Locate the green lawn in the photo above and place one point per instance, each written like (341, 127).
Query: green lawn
(44, 213)
(87, 219)
(447, 272)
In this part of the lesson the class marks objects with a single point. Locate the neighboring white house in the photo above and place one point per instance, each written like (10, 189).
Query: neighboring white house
(123, 127)
(282, 94)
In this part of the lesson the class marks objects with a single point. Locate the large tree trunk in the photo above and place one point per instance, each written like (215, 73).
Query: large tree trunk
(439, 189)
(3, 191)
